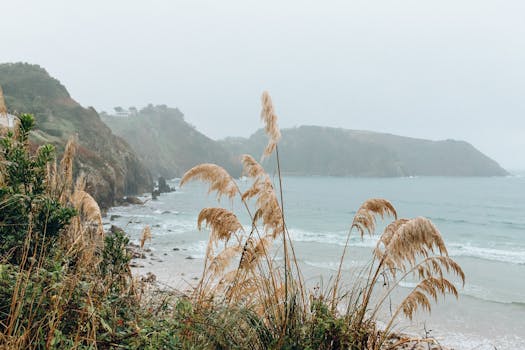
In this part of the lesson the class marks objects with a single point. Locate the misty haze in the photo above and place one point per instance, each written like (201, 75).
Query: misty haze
(262, 175)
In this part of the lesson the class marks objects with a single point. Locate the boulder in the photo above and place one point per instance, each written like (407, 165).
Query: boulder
(133, 200)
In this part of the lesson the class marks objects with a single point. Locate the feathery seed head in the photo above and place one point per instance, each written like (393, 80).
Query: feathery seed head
(271, 128)
(251, 167)
(222, 260)
(223, 223)
(145, 236)
(88, 209)
(216, 176)
(364, 219)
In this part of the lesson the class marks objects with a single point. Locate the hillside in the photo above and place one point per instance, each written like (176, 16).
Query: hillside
(314, 150)
(111, 167)
(166, 143)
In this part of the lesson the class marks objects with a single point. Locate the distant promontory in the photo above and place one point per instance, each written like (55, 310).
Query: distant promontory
(169, 145)
(316, 150)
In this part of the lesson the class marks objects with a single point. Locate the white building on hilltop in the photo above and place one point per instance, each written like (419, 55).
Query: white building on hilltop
(6, 119)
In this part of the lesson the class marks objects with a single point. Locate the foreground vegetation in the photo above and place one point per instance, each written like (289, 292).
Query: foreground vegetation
(64, 283)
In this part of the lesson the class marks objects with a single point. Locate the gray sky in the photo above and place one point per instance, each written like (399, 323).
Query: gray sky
(430, 69)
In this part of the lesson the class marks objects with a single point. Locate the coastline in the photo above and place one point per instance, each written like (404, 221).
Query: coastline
(176, 271)
(180, 273)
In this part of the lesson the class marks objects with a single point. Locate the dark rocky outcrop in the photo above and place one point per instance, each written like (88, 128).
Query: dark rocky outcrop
(112, 168)
(163, 185)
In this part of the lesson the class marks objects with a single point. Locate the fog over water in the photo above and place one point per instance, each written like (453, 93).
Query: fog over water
(432, 69)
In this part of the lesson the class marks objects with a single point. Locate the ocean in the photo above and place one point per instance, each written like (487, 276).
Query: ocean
(481, 219)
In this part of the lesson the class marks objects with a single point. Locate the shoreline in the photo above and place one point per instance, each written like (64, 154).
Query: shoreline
(181, 273)
(175, 271)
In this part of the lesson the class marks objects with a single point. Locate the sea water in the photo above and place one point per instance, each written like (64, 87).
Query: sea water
(481, 219)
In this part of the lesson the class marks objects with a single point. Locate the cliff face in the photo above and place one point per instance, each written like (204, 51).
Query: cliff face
(111, 167)
(167, 144)
(314, 150)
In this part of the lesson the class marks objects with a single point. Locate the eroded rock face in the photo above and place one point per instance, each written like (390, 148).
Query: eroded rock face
(111, 167)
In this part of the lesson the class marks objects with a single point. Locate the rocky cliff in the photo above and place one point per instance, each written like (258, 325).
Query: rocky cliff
(111, 167)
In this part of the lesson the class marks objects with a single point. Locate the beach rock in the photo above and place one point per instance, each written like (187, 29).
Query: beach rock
(176, 249)
(163, 186)
(406, 342)
(133, 200)
(114, 216)
(189, 258)
(114, 229)
(149, 278)
(138, 255)
(154, 194)
(135, 251)
(134, 264)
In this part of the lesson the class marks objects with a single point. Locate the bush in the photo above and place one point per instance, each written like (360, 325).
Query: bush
(61, 285)
(31, 219)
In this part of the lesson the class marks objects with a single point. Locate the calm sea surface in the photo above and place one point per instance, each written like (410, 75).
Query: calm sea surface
(481, 219)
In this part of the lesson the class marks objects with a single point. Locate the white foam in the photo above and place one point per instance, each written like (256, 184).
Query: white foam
(471, 341)
(335, 238)
(197, 249)
(507, 256)
(471, 290)
(334, 265)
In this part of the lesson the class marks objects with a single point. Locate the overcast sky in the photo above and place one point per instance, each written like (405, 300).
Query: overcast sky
(429, 69)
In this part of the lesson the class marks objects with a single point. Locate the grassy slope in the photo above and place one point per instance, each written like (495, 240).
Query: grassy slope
(111, 166)
(167, 144)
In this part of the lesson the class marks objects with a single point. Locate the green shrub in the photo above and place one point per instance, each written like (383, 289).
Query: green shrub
(29, 216)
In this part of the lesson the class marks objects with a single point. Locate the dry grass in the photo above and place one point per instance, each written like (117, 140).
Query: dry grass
(145, 236)
(407, 247)
(3, 108)
(39, 306)
(66, 169)
(269, 118)
(218, 178)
